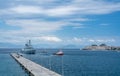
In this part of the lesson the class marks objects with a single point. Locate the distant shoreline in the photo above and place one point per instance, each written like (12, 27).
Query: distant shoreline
(101, 47)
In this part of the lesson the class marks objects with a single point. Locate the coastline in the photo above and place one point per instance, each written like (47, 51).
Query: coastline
(101, 47)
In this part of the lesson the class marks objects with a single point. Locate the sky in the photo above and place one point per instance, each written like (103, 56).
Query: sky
(59, 23)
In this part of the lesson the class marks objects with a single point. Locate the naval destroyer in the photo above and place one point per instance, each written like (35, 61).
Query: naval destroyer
(28, 49)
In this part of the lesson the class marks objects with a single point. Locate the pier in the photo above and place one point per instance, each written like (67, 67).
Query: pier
(32, 68)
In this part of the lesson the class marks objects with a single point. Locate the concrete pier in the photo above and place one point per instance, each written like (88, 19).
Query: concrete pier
(32, 68)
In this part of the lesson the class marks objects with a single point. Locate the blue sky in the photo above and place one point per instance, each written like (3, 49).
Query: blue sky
(59, 23)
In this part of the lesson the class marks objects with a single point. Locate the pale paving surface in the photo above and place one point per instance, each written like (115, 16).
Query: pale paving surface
(34, 68)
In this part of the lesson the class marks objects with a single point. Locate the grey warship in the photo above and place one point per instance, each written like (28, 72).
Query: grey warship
(28, 49)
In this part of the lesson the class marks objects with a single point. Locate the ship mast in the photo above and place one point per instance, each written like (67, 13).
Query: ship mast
(29, 42)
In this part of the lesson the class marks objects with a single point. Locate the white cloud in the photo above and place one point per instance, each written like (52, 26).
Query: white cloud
(76, 7)
(77, 39)
(104, 24)
(61, 11)
(36, 25)
(14, 39)
(96, 6)
(31, 29)
(50, 39)
(91, 40)
(78, 27)
(84, 7)
(7, 38)
(27, 9)
(101, 40)
(79, 19)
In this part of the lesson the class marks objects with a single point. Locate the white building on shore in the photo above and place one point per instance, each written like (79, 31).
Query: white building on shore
(100, 47)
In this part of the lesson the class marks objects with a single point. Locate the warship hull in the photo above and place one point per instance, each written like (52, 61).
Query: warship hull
(28, 49)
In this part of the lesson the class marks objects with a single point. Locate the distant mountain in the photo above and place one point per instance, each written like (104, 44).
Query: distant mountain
(71, 46)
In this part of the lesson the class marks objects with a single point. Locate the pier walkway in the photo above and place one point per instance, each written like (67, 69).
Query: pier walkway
(33, 68)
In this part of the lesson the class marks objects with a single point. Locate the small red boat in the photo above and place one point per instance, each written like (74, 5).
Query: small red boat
(59, 53)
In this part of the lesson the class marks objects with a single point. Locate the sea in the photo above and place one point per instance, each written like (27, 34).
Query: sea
(74, 62)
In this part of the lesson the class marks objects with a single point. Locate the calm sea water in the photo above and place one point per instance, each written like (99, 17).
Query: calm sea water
(73, 63)
(80, 63)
